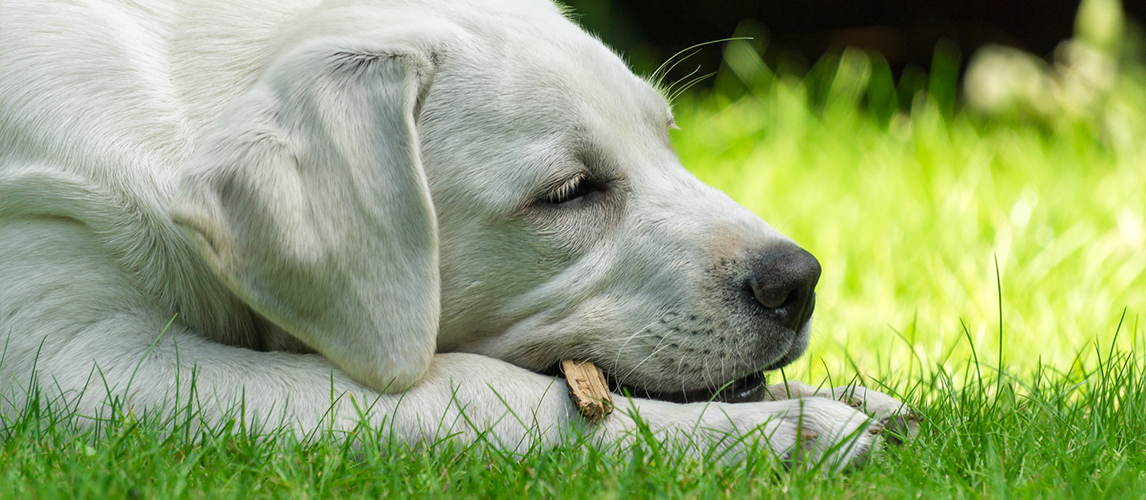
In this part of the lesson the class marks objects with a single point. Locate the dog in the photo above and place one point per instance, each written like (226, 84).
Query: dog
(408, 212)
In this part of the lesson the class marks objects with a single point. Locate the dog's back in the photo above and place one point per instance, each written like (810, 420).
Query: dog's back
(120, 90)
(102, 105)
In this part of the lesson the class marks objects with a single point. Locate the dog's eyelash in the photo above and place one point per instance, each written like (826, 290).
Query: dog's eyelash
(564, 191)
(571, 189)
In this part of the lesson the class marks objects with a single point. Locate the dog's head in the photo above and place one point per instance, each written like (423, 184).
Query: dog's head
(490, 180)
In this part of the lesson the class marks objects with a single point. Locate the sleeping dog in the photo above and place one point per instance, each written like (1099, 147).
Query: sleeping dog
(418, 208)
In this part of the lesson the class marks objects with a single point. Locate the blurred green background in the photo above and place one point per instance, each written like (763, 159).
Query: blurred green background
(926, 190)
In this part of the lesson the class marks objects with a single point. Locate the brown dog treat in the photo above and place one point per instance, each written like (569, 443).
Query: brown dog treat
(588, 389)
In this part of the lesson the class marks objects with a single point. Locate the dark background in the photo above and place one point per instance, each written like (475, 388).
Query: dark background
(797, 32)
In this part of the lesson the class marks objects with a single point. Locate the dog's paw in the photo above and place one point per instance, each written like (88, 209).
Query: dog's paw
(830, 433)
(803, 432)
(807, 431)
(899, 422)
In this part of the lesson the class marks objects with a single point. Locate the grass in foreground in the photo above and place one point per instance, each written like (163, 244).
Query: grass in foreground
(1079, 434)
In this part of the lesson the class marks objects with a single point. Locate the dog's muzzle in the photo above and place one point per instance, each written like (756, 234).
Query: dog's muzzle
(783, 282)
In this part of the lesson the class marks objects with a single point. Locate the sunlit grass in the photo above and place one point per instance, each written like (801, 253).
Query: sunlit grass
(911, 216)
(1078, 434)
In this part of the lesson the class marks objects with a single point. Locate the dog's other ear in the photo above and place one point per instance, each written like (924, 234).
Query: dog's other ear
(310, 202)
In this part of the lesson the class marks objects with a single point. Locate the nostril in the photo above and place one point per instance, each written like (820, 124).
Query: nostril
(784, 281)
(772, 297)
(780, 297)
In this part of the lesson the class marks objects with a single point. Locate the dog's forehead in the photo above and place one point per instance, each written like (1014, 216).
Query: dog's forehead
(541, 89)
(540, 55)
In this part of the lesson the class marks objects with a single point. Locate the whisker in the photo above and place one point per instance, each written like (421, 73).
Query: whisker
(656, 349)
(628, 339)
(679, 375)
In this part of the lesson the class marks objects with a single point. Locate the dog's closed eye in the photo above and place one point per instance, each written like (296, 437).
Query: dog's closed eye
(576, 188)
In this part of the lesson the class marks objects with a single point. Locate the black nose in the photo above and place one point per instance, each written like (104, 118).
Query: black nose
(784, 281)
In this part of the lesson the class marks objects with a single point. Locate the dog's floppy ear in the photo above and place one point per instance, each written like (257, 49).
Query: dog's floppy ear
(309, 200)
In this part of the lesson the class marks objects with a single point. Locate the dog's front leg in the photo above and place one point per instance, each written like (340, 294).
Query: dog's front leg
(470, 398)
(463, 398)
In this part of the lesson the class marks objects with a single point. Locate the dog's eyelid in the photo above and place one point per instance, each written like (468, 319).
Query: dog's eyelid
(584, 170)
(574, 187)
(571, 188)
(565, 190)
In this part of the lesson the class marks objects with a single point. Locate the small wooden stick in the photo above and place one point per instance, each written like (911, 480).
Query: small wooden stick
(588, 389)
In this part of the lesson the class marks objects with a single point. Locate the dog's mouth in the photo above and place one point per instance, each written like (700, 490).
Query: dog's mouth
(743, 390)
(746, 389)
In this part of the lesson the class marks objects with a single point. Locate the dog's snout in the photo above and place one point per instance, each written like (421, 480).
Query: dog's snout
(784, 281)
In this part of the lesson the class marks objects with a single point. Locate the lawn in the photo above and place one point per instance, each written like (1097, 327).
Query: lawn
(990, 269)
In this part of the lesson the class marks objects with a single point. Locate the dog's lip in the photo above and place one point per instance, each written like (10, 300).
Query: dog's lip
(746, 389)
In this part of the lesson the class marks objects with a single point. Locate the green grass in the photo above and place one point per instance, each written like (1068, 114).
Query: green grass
(919, 220)
(989, 271)
(1077, 434)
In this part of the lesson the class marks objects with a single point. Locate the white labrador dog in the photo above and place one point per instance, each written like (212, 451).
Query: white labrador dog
(416, 207)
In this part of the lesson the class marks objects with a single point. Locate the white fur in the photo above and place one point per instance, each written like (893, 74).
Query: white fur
(340, 199)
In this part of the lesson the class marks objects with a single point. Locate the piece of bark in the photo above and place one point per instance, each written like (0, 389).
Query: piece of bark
(588, 389)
